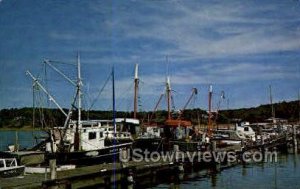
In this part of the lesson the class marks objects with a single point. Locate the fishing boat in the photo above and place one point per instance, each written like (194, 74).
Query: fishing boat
(246, 131)
(10, 168)
(227, 137)
(98, 143)
(83, 142)
(179, 131)
(175, 130)
(150, 139)
(147, 136)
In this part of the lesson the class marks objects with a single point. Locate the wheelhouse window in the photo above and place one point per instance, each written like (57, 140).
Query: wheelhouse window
(101, 134)
(92, 135)
(1, 163)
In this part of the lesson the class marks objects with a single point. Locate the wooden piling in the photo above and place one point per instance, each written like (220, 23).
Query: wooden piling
(295, 144)
(53, 174)
(213, 146)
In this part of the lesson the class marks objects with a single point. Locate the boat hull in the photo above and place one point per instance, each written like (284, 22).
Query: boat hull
(227, 142)
(188, 146)
(12, 172)
(91, 157)
(149, 144)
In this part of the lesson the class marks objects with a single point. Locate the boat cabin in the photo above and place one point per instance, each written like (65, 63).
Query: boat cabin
(92, 135)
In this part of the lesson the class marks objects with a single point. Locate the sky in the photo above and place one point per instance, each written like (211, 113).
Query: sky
(239, 47)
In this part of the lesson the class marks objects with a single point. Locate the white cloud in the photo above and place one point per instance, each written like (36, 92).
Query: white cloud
(227, 73)
(216, 30)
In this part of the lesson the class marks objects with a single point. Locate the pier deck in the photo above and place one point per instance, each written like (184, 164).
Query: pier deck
(94, 174)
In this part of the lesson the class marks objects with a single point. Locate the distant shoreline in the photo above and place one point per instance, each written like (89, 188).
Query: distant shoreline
(20, 129)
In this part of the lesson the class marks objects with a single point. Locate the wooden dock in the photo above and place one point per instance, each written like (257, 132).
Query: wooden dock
(106, 175)
(100, 175)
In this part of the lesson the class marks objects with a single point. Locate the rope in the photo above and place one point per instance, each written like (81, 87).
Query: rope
(101, 90)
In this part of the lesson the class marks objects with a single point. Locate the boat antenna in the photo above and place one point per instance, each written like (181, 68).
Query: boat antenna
(209, 111)
(136, 88)
(114, 100)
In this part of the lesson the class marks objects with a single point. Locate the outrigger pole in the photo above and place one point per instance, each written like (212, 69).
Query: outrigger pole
(49, 95)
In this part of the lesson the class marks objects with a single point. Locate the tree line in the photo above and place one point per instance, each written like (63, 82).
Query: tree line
(23, 117)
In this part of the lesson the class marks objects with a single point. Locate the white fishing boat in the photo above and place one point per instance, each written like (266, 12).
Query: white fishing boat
(227, 137)
(246, 131)
(83, 142)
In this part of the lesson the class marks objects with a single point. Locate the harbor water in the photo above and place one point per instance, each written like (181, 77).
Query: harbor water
(24, 138)
(283, 174)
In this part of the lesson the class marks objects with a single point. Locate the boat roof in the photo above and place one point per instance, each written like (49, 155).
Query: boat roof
(178, 122)
(128, 120)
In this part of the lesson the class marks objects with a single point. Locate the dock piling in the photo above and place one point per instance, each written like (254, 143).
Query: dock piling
(53, 174)
(295, 145)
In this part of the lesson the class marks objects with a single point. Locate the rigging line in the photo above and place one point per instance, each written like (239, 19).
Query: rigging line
(59, 72)
(101, 90)
(46, 83)
(129, 102)
(40, 109)
(60, 62)
(173, 103)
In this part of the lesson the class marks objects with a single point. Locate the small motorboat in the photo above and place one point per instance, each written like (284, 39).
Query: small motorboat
(10, 168)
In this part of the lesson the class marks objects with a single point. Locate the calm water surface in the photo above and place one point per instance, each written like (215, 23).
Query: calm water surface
(25, 138)
(284, 174)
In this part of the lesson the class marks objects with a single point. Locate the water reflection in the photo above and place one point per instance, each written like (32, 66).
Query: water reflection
(283, 174)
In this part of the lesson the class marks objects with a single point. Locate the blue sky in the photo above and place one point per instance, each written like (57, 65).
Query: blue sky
(240, 47)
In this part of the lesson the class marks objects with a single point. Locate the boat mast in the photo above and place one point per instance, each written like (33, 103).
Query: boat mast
(271, 101)
(114, 100)
(79, 124)
(299, 105)
(209, 111)
(136, 88)
(79, 84)
(168, 90)
(78, 89)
